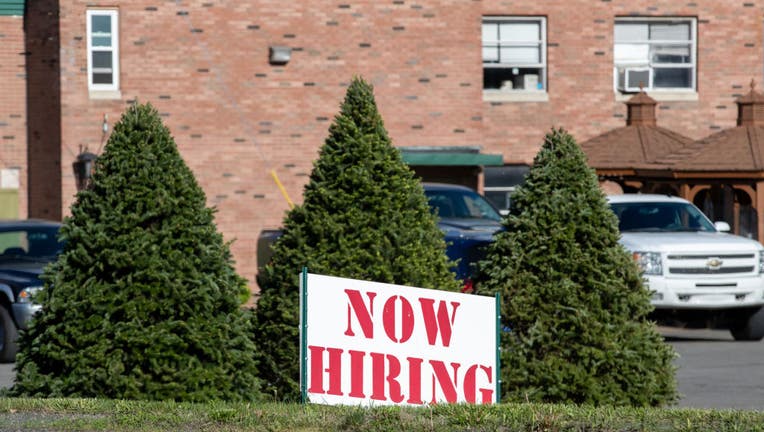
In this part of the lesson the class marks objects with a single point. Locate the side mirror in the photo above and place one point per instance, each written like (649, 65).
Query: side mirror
(722, 226)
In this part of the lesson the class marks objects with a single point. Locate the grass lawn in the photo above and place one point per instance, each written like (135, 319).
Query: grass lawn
(112, 415)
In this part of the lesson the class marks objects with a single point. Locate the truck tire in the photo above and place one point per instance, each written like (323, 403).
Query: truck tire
(750, 328)
(8, 335)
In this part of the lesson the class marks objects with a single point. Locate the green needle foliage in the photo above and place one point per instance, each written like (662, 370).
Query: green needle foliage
(364, 216)
(143, 303)
(571, 295)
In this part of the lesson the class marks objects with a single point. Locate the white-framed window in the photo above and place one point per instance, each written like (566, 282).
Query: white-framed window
(514, 54)
(656, 54)
(501, 182)
(103, 49)
(500, 197)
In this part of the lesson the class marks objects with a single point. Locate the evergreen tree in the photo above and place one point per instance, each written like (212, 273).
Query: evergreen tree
(364, 216)
(143, 303)
(572, 297)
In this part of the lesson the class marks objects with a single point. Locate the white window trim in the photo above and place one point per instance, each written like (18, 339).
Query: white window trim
(104, 91)
(665, 94)
(494, 95)
(531, 95)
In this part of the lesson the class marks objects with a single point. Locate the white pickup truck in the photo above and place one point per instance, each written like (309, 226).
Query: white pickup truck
(699, 275)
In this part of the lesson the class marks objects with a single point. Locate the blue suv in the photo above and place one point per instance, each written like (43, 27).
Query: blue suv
(26, 247)
(468, 221)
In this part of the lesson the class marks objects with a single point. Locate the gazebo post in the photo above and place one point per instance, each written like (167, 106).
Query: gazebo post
(684, 191)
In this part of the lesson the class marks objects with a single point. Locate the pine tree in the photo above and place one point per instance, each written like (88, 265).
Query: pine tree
(143, 302)
(572, 297)
(364, 216)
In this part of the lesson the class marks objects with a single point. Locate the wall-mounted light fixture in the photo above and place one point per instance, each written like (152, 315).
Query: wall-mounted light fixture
(279, 55)
(83, 168)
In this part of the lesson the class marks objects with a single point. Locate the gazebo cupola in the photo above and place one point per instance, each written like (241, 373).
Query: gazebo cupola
(641, 110)
(750, 108)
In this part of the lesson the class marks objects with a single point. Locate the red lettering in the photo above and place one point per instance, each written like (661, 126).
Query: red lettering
(362, 313)
(334, 370)
(356, 373)
(415, 381)
(392, 379)
(407, 319)
(470, 385)
(379, 378)
(442, 322)
(447, 383)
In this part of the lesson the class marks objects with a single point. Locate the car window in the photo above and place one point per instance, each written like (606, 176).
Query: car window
(463, 204)
(30, 243)
(479, 208)
(660, 216)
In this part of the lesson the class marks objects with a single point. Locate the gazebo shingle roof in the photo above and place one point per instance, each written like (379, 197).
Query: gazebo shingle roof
(641, 144)
(735, 149)
(739, 148)
(634, 147)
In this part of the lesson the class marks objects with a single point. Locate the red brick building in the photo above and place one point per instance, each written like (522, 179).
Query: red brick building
(249, 88)
(13, 110)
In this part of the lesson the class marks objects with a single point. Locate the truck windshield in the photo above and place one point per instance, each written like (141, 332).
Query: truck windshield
(660, 217)
(38, 243)
(461, 204)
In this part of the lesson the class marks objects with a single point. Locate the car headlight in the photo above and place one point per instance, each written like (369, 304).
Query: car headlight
(649, 262)
(761, 261)
(27, 295)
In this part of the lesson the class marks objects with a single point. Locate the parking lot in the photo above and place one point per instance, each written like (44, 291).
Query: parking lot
(714, 371)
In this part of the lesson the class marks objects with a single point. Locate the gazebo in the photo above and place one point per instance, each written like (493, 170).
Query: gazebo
(723, 174)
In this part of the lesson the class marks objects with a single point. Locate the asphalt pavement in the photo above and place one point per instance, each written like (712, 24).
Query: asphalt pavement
(715, 371)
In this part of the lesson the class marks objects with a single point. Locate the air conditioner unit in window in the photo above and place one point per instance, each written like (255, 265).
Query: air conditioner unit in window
(631, 79)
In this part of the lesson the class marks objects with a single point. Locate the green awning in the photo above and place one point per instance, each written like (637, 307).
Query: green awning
(449, 156)
(11, 7)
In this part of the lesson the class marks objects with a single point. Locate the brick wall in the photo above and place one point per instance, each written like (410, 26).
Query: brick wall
(204, 65)
(13, 135)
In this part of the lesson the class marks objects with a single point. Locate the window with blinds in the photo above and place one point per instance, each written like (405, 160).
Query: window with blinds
(514, 53)
(654, 54)
(103, 49)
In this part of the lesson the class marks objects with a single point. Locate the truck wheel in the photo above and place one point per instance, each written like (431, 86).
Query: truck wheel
(8, 334)
(750, 328)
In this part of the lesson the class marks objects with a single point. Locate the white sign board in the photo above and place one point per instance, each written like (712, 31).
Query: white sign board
(367, 343)
(9, 178)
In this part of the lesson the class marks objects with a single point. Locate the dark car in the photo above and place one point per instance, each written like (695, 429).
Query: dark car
(466, 218)
(26, 247)
(468, 221)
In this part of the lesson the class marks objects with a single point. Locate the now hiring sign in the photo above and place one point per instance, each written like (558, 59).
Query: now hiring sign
(367, 343)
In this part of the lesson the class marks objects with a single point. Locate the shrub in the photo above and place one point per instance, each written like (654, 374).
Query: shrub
(143, 303)
(571, 295)
(364, 216)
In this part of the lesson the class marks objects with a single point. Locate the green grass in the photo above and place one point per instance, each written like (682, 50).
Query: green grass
(111, 415)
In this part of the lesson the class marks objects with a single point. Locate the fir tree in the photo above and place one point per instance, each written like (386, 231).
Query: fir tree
(143, 303)
(364, 216)
(572, 297)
